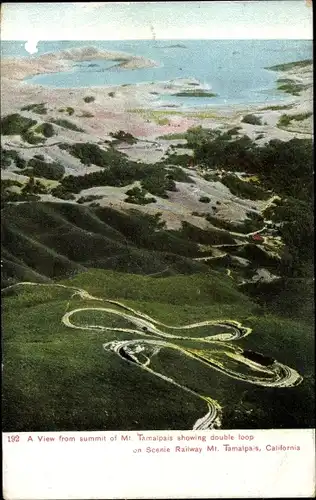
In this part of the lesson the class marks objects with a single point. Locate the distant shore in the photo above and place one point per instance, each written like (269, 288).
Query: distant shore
(147, 116)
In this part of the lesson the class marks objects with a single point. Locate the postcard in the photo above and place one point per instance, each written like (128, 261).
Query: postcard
(157, 250)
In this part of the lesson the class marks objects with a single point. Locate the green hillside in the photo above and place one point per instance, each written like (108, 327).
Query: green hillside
(59, 378)
(57, 240)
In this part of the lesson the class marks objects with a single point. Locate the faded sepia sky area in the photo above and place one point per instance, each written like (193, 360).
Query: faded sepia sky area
(164, 20)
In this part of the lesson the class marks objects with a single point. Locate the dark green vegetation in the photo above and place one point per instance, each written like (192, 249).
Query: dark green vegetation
(291, 65)
(89, 98)
(88, 199)
(30, 137)
(122, 136)
(13, 191)
(204, 199)
(66, 124)
(92, 154)
(56, 378)
(286, 120)
(41, 168)
(46, 129)
(291, 86)
(10, 155)
(16, 124)
(39, 109)
(244, 189)
(283, 168)
(138, 196)
(253, 223)
(119, 171)
(61, 379)
(58, 239)
(195, 93)
(69, 110)
(179, 135)
(252, 119)
(277, 107)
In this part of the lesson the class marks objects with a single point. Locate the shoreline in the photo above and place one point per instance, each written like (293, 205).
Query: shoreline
(136, 108)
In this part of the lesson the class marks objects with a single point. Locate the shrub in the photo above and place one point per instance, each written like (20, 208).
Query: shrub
(66, 124)
(36, 108)
(290, 86)
(137, 196)
(46, 129)
(284, 121)
(70, 110)
(252, 119)
(89, 98)
(111, 94)
(62, 193)
(88, 198)
(122, 136)
(204, 199)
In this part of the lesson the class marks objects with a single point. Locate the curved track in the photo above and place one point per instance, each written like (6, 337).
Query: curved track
(223, 357)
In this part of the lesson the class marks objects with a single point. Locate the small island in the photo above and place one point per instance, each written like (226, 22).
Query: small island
(176, 46)
(195, 93)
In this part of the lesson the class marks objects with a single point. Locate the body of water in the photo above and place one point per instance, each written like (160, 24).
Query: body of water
(233, 69)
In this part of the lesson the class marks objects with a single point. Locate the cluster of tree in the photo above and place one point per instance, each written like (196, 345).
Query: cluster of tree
(9, 155)
(66, 124)
(33, 186)
(89, 153)
(254, 222)
(155, 179)
(26, 192)
(138, 196)
(38, 108)
(122, 136)
(286, 168)
(244, 189)
(205, 237)
(62, 193)
(38, 167)
(89, 98)
(16, 124)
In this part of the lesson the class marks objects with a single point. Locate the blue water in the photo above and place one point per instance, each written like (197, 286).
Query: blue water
(233, 69)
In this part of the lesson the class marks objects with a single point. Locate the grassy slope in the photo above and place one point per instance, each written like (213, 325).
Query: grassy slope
(58, 240)
(58, 378)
